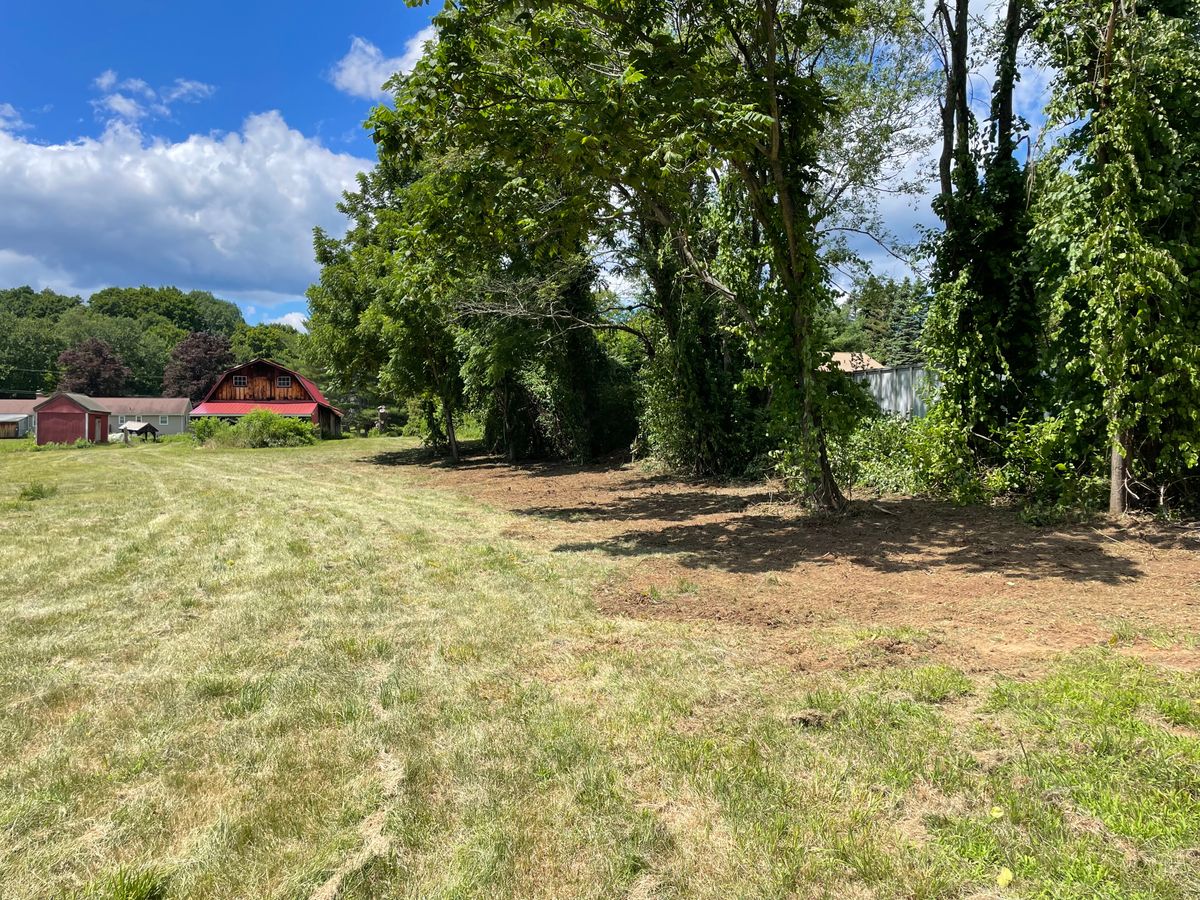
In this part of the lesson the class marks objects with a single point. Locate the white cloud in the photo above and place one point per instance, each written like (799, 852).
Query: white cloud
(137, 86)
(121, 107)
(364, 69)
(187, 90)
(10, 118)
(297, 320)
(119, 102)
(232, 213)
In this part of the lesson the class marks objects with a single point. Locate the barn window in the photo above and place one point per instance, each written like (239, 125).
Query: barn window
(239, 380)
(283, 381)
(164, 420)
(120, 420)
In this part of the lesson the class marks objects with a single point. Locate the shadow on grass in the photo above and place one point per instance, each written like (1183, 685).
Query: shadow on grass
(474, 458)
(912, 535)
(704, 526)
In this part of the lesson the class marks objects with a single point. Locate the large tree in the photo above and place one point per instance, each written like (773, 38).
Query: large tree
(1119, 228)
(91, 367)
(188, 311)
(984, 329)
(195, 365)
(646, 101)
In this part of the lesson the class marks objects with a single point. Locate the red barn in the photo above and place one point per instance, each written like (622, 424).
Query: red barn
(262, 384)
(66, 418)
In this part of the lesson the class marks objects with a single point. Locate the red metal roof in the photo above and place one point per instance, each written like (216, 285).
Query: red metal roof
(241, 407)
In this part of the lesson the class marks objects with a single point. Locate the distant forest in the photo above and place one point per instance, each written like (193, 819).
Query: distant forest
(123, 339)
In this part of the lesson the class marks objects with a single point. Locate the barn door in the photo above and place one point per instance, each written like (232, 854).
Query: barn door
(97, 439)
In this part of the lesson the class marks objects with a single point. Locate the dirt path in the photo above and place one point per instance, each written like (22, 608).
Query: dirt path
(974, 586)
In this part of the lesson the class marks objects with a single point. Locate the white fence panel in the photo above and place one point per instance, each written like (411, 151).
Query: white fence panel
(903, 390)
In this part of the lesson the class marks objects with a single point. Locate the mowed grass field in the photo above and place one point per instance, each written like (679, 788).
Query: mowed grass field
(299, 673)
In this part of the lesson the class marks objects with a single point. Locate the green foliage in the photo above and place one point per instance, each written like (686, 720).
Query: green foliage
(271, 340)
(140, 325)
(628, 100)
(257, 429)
(191, 311)
(127, 884)
(37, 490)
(1120, 228)
(1045, 464)
(884, 318)
(1033, 396)
(206, 429)
(879, 454)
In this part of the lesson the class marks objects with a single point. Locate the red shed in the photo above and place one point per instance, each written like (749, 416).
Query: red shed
(66, 418)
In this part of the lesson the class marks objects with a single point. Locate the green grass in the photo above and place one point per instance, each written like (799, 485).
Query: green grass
(236, 673)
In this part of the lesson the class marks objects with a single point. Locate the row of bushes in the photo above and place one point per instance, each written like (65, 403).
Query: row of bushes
(892, 454)
(260, 428)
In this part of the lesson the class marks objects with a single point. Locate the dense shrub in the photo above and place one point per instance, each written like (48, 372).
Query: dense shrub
(1043, 466)
(895, 454)
(37, 491)
(700, 415)
(263, 428)
(259, 428)
(878, 454)
(206, 430)
(931, 456)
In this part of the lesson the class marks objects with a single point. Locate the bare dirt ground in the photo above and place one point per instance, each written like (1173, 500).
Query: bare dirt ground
(972, 586)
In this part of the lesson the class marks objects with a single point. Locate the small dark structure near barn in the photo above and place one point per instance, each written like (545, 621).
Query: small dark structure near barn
(65, 418)
(263, 384)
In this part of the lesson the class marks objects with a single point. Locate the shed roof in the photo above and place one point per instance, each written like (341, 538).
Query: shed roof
(14, 417)
(80, 399)
(146, 406)
(854, 361)
(137, 427)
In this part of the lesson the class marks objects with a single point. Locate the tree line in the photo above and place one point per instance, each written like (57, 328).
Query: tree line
(593, 222)
(149, 341)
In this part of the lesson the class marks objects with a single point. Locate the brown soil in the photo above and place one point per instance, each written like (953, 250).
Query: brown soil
(893, 576)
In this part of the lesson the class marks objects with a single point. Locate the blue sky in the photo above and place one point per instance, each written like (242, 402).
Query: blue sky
(186, 143)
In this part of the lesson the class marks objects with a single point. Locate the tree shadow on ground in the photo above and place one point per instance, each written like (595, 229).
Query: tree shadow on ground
(911, 536)
(703, 526)
(473, 458)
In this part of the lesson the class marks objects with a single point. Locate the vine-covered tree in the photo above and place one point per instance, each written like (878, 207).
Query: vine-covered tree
(1119, 230)
(983, 331)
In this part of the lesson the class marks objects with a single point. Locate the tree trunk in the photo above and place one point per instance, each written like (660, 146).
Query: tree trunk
(827, 495)
(451, 437)
(1006, 77)
(1118, 475)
